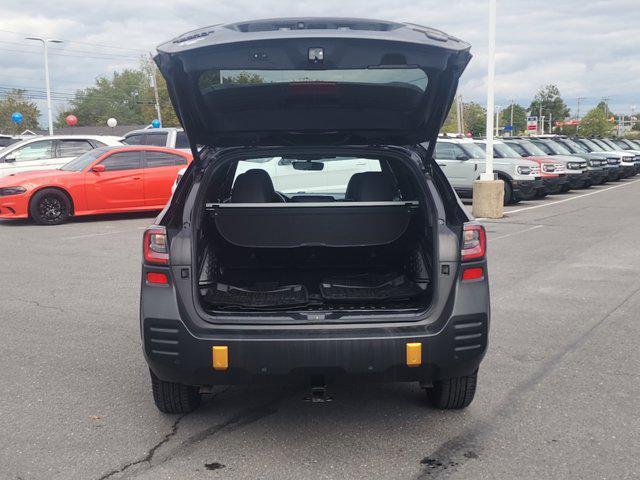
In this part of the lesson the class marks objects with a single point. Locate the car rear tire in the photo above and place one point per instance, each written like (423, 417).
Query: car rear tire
(172, 397)
(453, 393)
(50, 206)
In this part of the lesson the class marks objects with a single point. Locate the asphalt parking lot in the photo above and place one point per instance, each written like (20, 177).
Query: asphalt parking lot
(557, 395)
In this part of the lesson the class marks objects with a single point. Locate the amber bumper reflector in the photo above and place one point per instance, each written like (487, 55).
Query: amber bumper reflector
(414, 354)
(220, 358)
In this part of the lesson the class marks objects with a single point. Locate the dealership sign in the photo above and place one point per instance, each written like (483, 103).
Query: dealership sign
(532, 124)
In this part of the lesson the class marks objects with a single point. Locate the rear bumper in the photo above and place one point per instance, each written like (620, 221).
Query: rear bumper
(175, 354)
(179, 348)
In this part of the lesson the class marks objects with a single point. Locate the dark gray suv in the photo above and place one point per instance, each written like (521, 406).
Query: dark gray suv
(313, 236)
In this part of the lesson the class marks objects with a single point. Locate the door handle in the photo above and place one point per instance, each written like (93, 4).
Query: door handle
(137, 178)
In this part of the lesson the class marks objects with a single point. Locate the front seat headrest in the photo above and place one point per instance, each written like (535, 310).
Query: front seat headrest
(253, 186)
(370, 187)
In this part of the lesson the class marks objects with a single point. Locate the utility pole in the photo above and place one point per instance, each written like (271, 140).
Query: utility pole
(462, 114)
(155, 89)
(550, 126)
(578, 113)
(606, 106)
(540, 117)
(459, 114)
(46, 41)
(497, 120)
(542, 124)
(488, 192)
(512, 102)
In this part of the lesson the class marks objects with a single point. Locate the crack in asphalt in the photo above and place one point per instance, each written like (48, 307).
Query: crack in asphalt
(149, 456)
(240, 419)
(65, 310)
(450, 453)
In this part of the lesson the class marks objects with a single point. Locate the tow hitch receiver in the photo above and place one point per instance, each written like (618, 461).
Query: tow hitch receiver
(318, 391)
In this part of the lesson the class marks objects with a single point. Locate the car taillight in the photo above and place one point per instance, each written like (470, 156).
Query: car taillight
(154, 246)
(474, 242)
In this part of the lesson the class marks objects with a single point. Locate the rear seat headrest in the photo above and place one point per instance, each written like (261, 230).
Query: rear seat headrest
(370, 187)
(253, 186)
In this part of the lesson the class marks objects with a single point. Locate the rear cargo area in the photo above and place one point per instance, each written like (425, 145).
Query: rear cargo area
(329, 234)
(393, 274)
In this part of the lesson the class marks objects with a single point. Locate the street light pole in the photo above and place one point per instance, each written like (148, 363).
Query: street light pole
(488, 192)
(45, 41)
(491, 69)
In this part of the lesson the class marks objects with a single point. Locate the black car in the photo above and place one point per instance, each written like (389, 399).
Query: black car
(313, 236)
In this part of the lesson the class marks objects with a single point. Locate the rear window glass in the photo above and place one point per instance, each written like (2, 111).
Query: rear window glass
(331, 178)
(212, 80)
(156, 139)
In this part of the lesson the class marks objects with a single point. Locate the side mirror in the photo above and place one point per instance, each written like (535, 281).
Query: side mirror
(98, 168)
(10, 159)
(462, 157)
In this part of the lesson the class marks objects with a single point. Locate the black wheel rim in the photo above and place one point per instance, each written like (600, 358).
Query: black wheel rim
(52, 208)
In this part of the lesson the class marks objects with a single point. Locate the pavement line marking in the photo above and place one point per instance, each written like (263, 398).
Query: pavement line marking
(89, 235)
(517, 233)
(572, 198)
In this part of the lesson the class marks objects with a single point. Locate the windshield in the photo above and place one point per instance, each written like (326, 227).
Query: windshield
(531, 149)
(622, 144)
(557, 148)
(602, 145)
(84, 160)
(573, 146)
(505, 150)
(473, 150)
(590, 145)
(611, 144)
(317, 176)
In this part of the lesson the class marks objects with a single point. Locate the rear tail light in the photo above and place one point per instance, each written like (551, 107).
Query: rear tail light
(155, 247)
(474, 242)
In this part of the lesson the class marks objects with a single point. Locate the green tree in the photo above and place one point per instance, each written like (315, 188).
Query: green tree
(595, 123)
(519, 118)
(548, 97)
(126, 96)
(15, 101)
(475, 118)
(451, 122)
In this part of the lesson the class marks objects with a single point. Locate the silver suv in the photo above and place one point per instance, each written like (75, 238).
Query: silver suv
(463, 160)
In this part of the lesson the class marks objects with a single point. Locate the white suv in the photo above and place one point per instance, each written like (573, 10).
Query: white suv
(463, 160)
(48, 152)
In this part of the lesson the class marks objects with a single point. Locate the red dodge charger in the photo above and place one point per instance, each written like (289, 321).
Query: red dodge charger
(104, 180)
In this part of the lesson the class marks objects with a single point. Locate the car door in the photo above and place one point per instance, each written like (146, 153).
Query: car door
(453, 161)
(159, 174)
(119, 186)
(33, 156)
(68, 149)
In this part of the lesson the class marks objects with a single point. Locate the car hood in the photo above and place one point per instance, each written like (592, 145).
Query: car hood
(568, 158)
(321, 81)
(524, 162)
(37, 177)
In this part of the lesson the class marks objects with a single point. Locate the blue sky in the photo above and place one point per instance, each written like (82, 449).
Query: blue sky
(590, 49)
